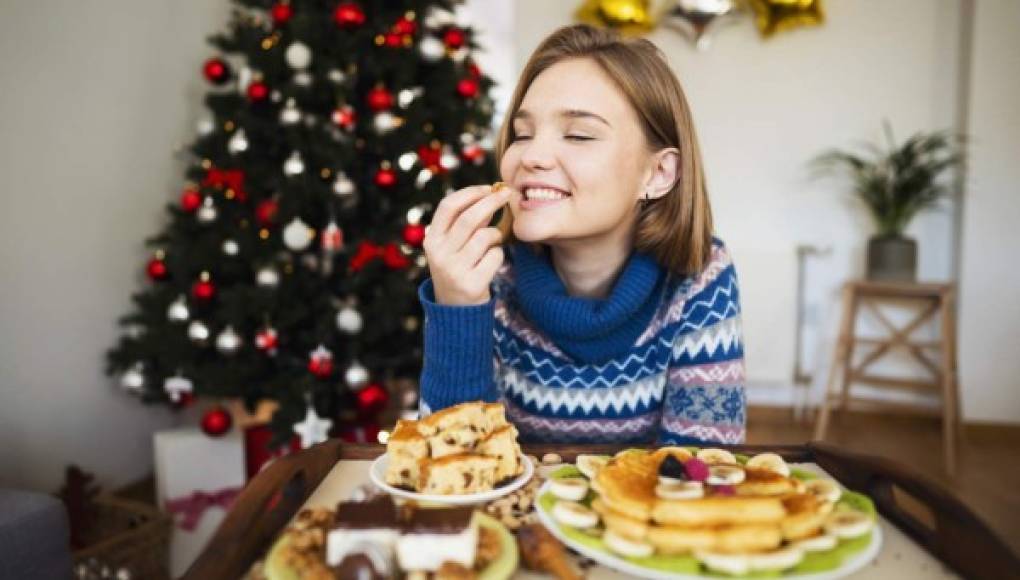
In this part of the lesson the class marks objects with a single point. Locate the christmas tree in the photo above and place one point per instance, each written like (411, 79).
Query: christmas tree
(289, 265)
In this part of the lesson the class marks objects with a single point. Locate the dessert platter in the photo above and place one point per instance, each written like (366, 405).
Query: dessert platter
(684, 512)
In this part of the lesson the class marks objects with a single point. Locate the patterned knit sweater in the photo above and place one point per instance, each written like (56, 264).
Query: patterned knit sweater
(660, 359)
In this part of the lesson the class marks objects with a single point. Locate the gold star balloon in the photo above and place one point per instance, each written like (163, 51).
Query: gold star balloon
(698, 19)
(630, 17)
(774, 16)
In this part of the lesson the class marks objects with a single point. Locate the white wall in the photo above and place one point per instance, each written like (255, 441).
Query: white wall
(990, 290)
(96, 97)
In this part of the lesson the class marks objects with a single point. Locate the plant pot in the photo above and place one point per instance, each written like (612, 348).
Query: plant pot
(892, 259)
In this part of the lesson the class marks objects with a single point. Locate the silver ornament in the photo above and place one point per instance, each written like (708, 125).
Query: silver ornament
(385, 122)
(290, 115)
(698, 19)
(176, 385)
(244, 78)
(407, 160)
(198, 332)
(231, 248)
(205, 126)
(267, 277)
(437, 17)
(228, 342)
(349, 320)
(207, 213)
(343, 185)
(356, 376)
(294, 165)
(178, 310)
(406, 96)
(336, 75)
(297, 235)
(298, 55)
(238, 142)
(431, 48)
(303, 79)
(133, 379)
(423, 178)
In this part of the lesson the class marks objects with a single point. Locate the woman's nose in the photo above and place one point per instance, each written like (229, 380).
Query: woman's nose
(538, 153)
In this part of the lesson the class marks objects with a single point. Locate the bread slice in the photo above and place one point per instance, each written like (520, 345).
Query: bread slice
(457, 474)
(463, 414)
(454, 440)
(502, 444)
(405, 448)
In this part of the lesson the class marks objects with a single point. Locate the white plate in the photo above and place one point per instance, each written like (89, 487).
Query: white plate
(378, 475)
(849, 565)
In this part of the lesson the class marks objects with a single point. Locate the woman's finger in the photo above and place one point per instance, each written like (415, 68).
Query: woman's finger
(475, 217)
(452, 205)
(478, 245)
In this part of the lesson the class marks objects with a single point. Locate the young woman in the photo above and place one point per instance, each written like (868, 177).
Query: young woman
(600, 309)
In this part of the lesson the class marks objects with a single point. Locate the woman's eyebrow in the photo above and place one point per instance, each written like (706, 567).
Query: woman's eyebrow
(569, 113)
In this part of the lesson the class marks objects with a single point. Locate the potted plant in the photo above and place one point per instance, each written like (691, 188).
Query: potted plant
(895, 184)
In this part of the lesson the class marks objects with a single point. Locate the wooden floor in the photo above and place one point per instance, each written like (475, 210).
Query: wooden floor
(988, 472)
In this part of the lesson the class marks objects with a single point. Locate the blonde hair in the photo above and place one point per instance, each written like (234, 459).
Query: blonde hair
(675, 229)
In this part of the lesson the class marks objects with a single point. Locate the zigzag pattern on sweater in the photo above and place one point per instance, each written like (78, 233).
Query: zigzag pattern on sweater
(633, 398)
(672, 310)
(539, 367)
(536, 428)
(731, 372)
(683, 431)
(713, 344)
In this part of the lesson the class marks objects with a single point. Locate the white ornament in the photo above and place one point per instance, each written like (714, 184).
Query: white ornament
(238, 142)
(415, 214)
(385, 122)
(133, 379)
(406, 96)
(449, 161)
(205, 126)
(207, 213)
(176, 385)
(290, 115)
(336, 75)
(198, 332)
(303, 79)
(349, 320)
(231, 248)
(298, 55)
(356, 376)
(297, 235)
(343, 185)
(407, 160)
(267, 277)
(294, 165)
(244, 78)
(438, 18)
(228, 341)
(313, 429)
(178, 310)
(431, 48)
(423, 178)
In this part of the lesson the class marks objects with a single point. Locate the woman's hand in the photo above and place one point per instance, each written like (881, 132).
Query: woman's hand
(463, 254)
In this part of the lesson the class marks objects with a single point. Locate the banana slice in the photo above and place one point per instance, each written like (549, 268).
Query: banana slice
(771, 462)
(725, 475)
(626, 547)
(569, 488)
(575, 515)
(780, 559)
(713, 456)
(848, 524)
(590, 465)
(680, 490)
(824, 489)
(820, 543)
(736, 564)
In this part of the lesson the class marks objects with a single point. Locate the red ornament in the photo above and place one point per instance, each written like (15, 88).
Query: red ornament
(266, 340)
(473, 153)
(467, 88)
(372, 399)
(414, 234)
(228, 179)
(216, 421)
(349, 15)
(156, 269)
(203, 289)
(379, 99)
(394, 40)
(258, 91)
(281, 13)
(320, 362)
(473, 70)
(216, 71)
(429, 155)
(190, 200)
(403, 26)
(265, 211)
(385, 177)
(345, 117)
(454, 38)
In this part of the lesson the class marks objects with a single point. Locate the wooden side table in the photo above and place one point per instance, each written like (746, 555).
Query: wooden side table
(937, 304)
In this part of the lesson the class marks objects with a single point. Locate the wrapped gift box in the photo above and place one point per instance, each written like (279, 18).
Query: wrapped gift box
(197, 477)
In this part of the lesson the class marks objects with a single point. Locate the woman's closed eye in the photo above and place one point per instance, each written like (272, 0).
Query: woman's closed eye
(568, 137)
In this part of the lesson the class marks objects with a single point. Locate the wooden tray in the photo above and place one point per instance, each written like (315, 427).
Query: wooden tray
(924, 510)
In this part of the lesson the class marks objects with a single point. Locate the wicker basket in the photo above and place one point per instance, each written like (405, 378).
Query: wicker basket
(127, 535)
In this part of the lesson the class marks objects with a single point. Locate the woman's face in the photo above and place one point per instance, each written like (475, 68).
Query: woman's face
(578, 160)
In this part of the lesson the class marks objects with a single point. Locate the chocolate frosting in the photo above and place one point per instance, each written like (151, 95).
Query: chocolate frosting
(439, 520)
(378, 512)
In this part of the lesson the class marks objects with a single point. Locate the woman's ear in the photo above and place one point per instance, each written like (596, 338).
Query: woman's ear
(663, 173)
